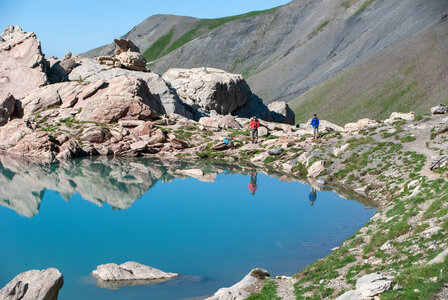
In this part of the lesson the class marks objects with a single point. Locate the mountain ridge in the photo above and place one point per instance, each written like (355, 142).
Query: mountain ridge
(286, 51)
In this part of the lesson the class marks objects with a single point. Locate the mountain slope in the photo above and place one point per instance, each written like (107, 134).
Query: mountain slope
(409, 76)
(284, 52)
(149, 32)
(289, 50)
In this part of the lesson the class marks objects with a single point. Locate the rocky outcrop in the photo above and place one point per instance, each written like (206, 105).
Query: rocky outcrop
(7, 106)
(129, 273)
(34, 285)
(89, 70)
(122, 98)
(127, 56)
(368, 287)
(36, 144)
(22, 64)
(281, 112)
(209, 88)
(240, 290)
(60, 69)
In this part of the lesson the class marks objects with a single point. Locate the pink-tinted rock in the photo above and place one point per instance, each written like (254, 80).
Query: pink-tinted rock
(65, 93)
(12, 132)
(95, 134)
(22, 65)
(157, 137)
(177, 143)
(36, 144)
(123, 98)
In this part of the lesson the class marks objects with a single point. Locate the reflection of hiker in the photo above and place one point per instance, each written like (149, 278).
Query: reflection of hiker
(228, 142)
(253, 182)
(313, 196)
(254, 124)
(315, 124)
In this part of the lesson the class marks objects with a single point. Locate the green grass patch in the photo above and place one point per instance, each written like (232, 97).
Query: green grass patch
(156, 49)
(318, 29)
(269, 292)
(364, 6)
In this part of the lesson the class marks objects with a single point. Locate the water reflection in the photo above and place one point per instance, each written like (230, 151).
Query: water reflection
(313, 196)
(253, 182)
(118, 182)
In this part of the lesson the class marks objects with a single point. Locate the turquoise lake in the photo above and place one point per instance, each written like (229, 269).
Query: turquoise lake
(212, 229)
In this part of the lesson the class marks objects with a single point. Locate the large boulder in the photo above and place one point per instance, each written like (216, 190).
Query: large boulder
(22, 64)
(122, 98)
(209, 88)
(34, 285)
(130, 271)
(281, 112)
(132, 61)
(90, 70)
(7, 106)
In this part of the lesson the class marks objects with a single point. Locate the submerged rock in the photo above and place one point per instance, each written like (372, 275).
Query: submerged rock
(34, 285)
(129, 271)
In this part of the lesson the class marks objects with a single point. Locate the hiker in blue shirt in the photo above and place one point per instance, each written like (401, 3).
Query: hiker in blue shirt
(315, 124)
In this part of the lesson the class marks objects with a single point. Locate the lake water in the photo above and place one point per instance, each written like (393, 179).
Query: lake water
(212, 229)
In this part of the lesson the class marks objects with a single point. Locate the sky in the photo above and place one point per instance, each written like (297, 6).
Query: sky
(81, 25)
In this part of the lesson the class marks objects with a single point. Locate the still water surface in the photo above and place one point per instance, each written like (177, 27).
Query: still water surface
(212, 229)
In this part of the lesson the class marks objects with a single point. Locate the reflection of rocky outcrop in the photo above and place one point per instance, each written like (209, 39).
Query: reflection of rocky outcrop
(118, 182)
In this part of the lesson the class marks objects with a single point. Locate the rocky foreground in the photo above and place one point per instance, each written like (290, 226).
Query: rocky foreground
(53, 108)
(400, 164)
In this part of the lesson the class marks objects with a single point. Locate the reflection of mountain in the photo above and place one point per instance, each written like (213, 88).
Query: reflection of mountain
(118, 182)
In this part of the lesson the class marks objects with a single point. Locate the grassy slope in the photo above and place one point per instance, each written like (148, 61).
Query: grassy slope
(409, 76)
(163, 46)
(158, 46)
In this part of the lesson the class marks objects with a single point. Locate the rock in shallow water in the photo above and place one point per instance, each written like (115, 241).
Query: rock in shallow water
(34, 285)
(129, 271)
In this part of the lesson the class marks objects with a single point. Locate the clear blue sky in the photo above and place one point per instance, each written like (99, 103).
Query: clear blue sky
(82, 25)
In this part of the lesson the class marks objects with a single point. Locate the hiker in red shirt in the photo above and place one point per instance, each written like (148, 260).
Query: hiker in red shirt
(254, 124)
